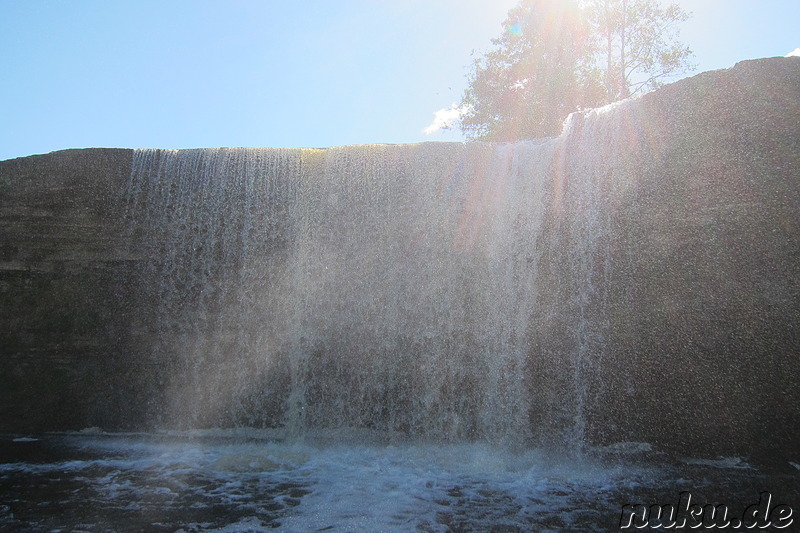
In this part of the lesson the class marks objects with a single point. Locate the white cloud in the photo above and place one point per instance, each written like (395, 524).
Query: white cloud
(445, 118)
(794, 53)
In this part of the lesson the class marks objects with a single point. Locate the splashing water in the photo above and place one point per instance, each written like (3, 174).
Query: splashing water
(247, 480)
(396, 288)
(371, 286)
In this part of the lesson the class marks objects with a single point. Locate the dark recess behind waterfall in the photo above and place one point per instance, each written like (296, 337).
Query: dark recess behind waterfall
(699, 314)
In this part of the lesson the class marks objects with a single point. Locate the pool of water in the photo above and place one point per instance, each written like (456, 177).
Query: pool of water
(245, 480)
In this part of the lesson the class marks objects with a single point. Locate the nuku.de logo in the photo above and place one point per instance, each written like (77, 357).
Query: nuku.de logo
(693, 515)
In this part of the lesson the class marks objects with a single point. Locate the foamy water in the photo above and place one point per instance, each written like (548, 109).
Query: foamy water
(257, 481)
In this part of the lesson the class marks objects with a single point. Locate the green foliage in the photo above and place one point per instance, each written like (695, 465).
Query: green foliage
(557, 56)
(635, 44)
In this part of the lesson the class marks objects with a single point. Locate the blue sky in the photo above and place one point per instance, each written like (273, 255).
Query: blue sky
(312, 73)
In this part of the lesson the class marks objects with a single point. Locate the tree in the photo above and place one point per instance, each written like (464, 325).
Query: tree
(533, 77)
(636, 44)
(558, 56)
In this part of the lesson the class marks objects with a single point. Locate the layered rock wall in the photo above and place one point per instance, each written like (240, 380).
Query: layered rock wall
(667, 304)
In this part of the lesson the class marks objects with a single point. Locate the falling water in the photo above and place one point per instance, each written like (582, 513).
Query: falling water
(369, 286)
(397, 288)
(436, 321)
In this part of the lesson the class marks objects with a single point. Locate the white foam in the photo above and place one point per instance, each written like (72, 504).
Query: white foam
(721, 462)
(319, 485)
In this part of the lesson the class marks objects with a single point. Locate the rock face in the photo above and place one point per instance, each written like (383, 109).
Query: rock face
(701, 291)
(62, 277)
(647, 283)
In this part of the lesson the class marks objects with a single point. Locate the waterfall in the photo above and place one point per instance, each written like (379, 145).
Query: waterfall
(399, 288)
(634, 279)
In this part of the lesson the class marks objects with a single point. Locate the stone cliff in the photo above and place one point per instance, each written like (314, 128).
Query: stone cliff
(61, 262)
(689, 327)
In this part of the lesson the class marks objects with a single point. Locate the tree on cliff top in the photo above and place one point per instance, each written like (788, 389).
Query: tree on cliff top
(557, 56)
(636, 44)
